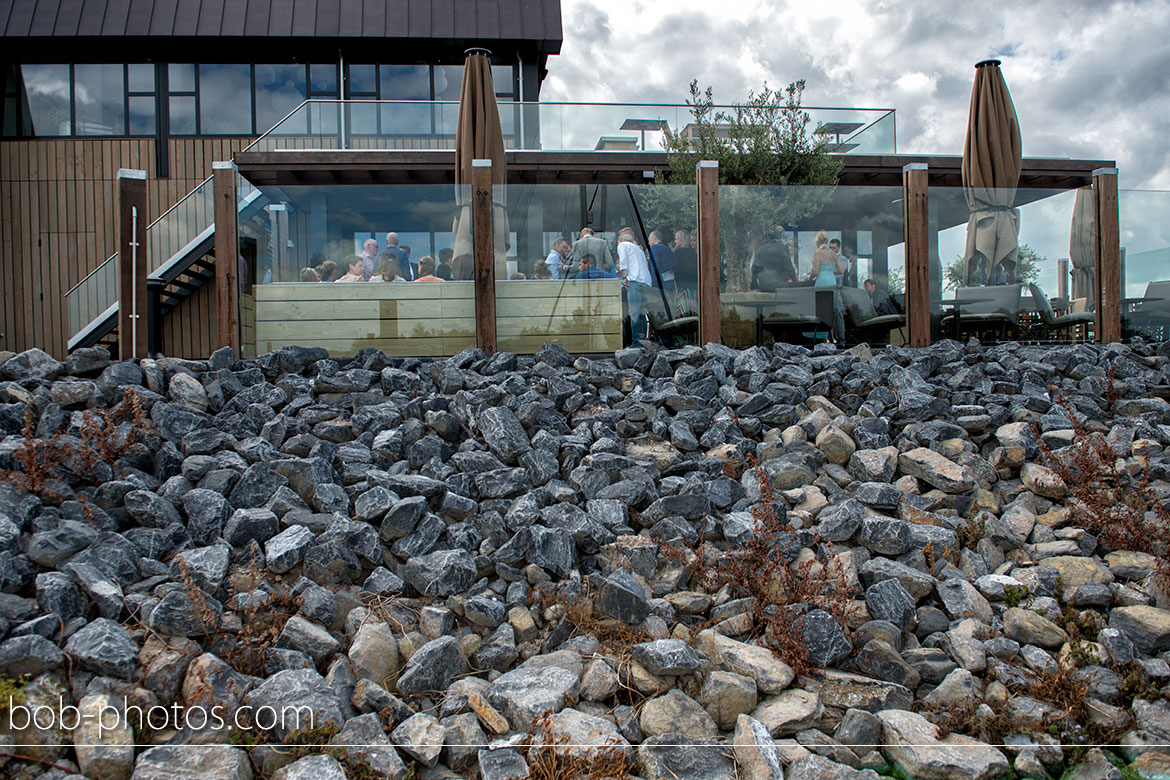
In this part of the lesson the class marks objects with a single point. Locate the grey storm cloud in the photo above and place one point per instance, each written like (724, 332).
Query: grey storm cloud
(1090, 79)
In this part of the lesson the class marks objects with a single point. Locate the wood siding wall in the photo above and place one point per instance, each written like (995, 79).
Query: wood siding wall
(58, 222)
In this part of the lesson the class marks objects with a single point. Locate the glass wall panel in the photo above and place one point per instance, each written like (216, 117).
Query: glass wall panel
(1145, 263)
(983, 259)
(405, 82)
(293, 236)
(279, 89)
(142, 120)
(225, 99)
(556, 284)
(181, 78)
(781, 279)
(46, 88)
(140, 77)
(182, 112)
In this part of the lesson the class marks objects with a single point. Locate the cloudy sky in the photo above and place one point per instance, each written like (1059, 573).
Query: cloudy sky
(1090, 79)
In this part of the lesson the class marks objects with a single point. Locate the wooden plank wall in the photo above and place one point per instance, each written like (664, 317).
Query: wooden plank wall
(432, 318)
(58, 222)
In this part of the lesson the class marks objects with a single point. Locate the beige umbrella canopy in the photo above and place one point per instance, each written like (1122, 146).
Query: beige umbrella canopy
(1082, 245)
(478, 136)
(991, 172)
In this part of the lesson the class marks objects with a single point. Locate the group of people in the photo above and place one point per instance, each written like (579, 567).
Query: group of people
(772, 269)
(673, 268)
(392, 265)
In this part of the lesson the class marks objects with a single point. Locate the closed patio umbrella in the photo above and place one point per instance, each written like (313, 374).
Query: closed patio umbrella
(1082, 244)
(991, 172)
(478, 136)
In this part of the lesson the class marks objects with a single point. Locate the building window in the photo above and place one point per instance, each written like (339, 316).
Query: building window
(405, 82)
(47, 91)
(11, 103)
(99, 99)
(279, 90)
(183, 99)
(225, 100)
(140, 99)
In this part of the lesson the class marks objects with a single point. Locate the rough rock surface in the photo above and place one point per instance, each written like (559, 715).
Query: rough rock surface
(435, 556)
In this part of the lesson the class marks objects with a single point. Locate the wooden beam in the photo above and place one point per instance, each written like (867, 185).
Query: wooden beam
(1062, 279)
(226, 251)
(484, 256)
(132, 266)
(1108, 260)
(917, 229)
(710, 317)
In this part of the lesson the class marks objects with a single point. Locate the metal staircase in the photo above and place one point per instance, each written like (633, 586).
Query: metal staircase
(92, 304)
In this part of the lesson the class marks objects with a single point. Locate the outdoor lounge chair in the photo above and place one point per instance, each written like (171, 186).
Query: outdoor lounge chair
(862, 319)
(1049, 321)
(796, 312)
(1150, 317)
(993, 309)
(667, 326)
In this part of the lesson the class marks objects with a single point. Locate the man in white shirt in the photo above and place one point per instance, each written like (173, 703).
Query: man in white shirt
(633, 268)
(556, 258)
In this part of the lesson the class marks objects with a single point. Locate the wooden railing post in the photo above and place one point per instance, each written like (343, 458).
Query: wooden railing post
(710, 317)
(227, 252)
(132, 265)
(1062, 279)
(917, 234)
(1108, 255)
(484, 255)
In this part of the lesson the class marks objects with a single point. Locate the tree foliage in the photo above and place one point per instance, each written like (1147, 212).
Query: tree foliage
(1027, 269)
(765, 142)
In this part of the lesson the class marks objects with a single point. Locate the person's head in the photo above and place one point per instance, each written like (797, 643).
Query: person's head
(405, 249)
(561, 246)
(370, 246)
(354, 264)
(822, 239)
(626, 234)
(389, 267)
(426, 265)
(391, 239)
(835, 245)
(445, 255)
(682, 238)
(586, 262)
(328, 271)
(310, 275)
(516, 277)
(655, 237)
(541, 271)
(870, 286)
(586, 232)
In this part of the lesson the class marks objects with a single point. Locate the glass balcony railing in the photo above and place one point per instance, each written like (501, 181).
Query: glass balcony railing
(1145, 263)
(611, 127)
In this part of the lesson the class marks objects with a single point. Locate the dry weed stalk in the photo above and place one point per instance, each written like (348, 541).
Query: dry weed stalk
(1122, 510)
(260, 625)
(781, 590)
(551, 757)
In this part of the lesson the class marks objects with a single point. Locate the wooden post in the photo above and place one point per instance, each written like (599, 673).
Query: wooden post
(484, 255)
(1062, 279)
(915, 222)
(227, 251)
(132, 266)
(1108, 260)
(710, 317)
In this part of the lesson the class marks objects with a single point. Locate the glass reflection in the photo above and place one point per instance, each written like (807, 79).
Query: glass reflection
(225, 99)
(46, 87)
(279, 89)
(98, 99)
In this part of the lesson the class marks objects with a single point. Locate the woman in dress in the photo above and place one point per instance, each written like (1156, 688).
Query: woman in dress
(825, 267)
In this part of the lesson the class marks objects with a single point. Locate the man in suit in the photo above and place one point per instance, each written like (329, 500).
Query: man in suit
(589, 244)
(772, 268)
(882, 302)
(406, 270)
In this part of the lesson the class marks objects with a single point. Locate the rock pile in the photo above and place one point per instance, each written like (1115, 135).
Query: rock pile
(437, 569)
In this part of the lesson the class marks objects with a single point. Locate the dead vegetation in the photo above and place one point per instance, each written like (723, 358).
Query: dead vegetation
(551, 757)
(782, 582)
(104, 437)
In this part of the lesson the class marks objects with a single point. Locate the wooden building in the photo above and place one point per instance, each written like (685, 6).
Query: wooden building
(170, 86)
